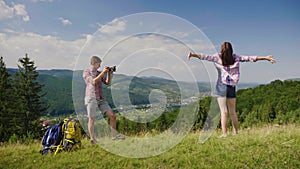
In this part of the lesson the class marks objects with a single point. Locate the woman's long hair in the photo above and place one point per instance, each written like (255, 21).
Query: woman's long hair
(227, 54)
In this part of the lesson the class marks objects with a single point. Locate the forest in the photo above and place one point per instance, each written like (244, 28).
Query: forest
(277, 103)
(21, 105)
(25, 101)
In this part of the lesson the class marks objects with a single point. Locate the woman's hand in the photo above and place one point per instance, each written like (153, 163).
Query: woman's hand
(268, 58)
(271, 59)
(190, 55)
(193, 55)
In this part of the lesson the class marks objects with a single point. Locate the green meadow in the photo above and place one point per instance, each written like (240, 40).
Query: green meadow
(260, 147)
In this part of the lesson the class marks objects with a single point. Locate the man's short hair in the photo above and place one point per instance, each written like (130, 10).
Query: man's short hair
(95, 59)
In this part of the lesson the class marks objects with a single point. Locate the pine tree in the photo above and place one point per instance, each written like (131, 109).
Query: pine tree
(30, 93)
(6, 104)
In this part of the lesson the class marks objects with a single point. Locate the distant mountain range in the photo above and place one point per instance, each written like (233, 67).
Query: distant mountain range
(61, 85)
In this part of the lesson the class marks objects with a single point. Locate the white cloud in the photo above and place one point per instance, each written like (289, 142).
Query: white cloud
(140, 54)
(65, 21)
(7, 12)
(113, 27)
(21, 11)
(48, 52)
(130, 55)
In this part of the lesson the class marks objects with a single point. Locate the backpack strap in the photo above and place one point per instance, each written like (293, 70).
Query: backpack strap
(59, 147)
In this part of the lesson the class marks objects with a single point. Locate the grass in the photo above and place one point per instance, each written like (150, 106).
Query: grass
(263, 147)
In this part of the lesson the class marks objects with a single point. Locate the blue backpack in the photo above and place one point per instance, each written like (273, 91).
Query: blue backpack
(52, 139)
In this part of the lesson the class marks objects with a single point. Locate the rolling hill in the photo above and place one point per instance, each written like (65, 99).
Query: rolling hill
(58, 85)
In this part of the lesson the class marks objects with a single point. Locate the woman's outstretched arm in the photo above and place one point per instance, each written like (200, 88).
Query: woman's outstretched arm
(194, 55)
(268, 58)
(212, 58)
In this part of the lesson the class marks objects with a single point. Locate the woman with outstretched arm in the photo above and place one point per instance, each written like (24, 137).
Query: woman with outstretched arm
(227, 64)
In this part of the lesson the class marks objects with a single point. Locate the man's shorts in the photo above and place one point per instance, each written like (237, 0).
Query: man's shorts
(227, 91)
(94, 106)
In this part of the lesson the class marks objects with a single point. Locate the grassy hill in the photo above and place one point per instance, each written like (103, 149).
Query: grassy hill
(265, 147)
(269, 146)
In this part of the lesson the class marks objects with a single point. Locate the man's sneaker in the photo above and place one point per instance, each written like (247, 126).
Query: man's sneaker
(223, 136)
(119, 137)
(94, 142)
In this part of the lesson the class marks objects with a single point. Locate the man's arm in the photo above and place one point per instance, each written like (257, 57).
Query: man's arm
(100, 76)
(107, 82)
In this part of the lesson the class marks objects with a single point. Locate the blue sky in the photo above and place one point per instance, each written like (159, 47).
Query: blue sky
(53, 32)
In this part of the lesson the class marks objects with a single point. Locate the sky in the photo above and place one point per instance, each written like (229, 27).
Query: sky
(63, 34)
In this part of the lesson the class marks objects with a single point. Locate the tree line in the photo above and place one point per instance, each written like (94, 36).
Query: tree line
(277, 102)
(21, 106)
(274, 103)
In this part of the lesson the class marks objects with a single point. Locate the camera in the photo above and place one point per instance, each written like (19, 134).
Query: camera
(112, 69)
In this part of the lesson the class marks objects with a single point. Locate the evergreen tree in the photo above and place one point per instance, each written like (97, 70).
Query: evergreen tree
(201, 116)
(7, 105)
(30, 93)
